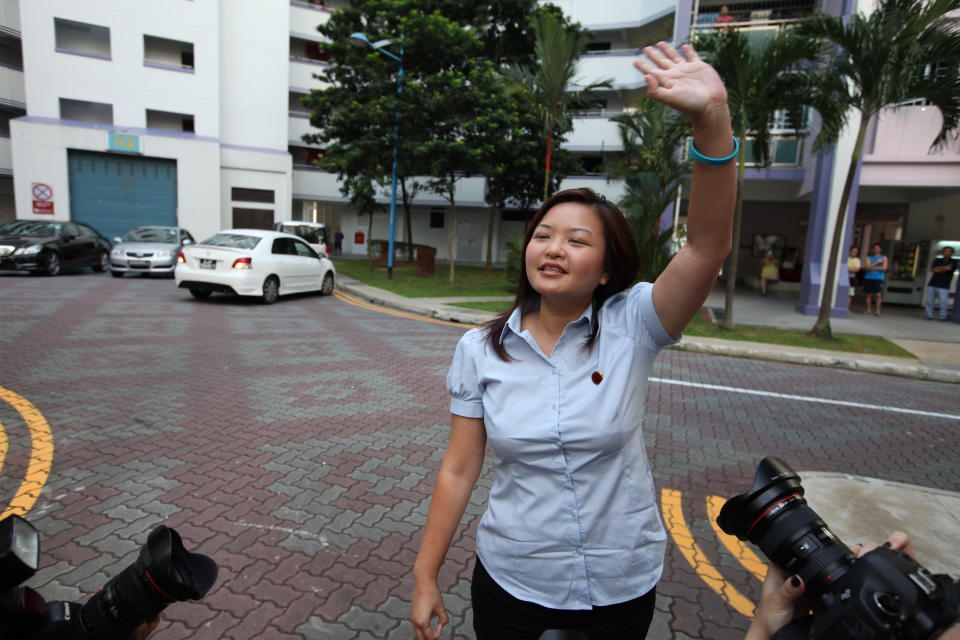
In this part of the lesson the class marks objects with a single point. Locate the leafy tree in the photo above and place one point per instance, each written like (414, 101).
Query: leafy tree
(652, 170)
(906, 50)
(764, 76)
(546, 83)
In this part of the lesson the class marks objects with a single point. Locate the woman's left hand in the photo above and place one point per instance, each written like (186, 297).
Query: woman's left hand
(685, 83)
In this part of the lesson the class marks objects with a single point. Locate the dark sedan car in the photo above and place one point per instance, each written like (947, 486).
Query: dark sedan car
(47, 247)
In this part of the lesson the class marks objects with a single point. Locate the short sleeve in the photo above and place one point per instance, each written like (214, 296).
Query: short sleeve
(463, 379)
(640, 310)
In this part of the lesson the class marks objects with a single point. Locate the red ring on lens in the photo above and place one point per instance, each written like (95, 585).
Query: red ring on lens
(771, 508)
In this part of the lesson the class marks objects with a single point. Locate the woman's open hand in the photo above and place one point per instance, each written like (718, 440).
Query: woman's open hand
(685, 83)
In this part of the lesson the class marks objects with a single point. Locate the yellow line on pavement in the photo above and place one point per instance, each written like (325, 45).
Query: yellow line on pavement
(41, 455)
(677, 525)
(357, 302)
(738, 549)
(3, 446)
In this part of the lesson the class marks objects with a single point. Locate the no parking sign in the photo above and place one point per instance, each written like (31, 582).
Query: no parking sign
(42, 198)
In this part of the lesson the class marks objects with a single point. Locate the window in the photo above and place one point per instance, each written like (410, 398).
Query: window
(295, 102)
(598, 46)
(304, 250)
(81, 38)
(167, 54)
(252, 218)
(242, 194)
(185, 235)
(170, 121)
(284, 247)
(436, 218)
(86, 111)
(306, 156)
(71, 230)
(83, 231)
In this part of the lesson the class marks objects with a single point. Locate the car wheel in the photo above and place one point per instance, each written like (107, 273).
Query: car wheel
(271, 290)
(103, 263)
(117, 274)
(50, 263)
(327, 287)
(200, 294)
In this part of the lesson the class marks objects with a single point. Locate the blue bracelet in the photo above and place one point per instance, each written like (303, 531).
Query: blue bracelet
(714, 162)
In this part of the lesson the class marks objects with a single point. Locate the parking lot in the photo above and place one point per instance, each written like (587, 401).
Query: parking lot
(295, 444)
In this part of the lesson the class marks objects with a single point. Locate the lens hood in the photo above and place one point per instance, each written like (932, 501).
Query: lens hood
(177, 573)
(774, 479)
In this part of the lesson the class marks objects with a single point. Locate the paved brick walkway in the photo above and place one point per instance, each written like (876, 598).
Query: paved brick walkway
(296, 444)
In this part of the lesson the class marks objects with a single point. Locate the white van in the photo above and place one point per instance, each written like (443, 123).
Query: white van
(315, 233)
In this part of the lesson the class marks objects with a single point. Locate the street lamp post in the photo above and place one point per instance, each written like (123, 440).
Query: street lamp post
(359, 39)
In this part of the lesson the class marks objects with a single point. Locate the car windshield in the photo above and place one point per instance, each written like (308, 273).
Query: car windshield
(232, 241)
(166, 235)
(31, 229)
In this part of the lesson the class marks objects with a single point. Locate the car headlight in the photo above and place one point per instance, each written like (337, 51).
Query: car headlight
(28, 251)
(162, 253)
(117, 252)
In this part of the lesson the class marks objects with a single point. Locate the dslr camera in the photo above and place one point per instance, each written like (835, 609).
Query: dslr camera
(881, 594)
(163, 573)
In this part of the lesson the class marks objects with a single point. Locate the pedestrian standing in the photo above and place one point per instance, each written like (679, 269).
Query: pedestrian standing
(769, 271)
(853, 272)
(939, 285)
(572, 537)
(338, 243)
(874, 270)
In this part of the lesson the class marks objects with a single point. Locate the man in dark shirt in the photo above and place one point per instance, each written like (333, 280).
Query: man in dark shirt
(939, 285)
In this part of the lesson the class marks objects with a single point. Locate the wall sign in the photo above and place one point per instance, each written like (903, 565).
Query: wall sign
(123, 142)
(43, 206)
(42, 191)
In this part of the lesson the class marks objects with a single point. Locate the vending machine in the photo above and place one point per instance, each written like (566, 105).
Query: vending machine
(908, 264)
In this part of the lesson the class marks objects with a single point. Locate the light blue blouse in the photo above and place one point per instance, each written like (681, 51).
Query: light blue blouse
(572, 519)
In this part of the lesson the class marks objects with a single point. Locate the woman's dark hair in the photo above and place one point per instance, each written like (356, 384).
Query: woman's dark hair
(620, 263)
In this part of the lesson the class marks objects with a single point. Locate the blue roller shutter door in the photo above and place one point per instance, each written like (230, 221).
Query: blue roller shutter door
(114, 193)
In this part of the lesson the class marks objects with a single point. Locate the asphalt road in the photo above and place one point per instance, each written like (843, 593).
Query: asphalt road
(296, 444)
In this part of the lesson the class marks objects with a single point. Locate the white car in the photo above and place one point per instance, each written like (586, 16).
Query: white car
(253, 262)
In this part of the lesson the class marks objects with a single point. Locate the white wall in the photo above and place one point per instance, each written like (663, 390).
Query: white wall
(254, 47)
(40, 155)
(610, 14)
(124, 81)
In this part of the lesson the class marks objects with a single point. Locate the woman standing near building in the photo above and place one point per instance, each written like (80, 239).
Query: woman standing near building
(572, 536)
(769, 271)
(874, 269)
(853, 272)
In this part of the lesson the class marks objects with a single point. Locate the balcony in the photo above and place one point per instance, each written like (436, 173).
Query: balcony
(299, 124)
(302, 72)
(10, 18)
(751, 16)
(615, 65)
(12, 90)
(305, 16)
(594, 133)
(6, 155)
(897, 150)
(599, 15)
(785, 150)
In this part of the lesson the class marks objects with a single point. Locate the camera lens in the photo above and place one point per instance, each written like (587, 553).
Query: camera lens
(164, 572)
(774, 515)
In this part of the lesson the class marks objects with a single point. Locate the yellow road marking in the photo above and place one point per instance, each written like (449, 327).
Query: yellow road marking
(41, 456)
(401, 314)
(738, 549)
(3, 446)
(677, 525)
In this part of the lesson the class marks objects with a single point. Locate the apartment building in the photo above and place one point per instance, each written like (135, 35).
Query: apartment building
(189, 112)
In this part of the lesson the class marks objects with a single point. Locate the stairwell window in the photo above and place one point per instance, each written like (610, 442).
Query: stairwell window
(164, 53)
(81, 38)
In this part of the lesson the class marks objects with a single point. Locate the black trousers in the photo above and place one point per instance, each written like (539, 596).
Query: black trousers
(497, 615)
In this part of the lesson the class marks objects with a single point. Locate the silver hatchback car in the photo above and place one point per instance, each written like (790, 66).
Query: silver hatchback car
(148, 250)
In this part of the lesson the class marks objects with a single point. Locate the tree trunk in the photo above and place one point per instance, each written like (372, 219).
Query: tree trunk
(546, 173)
(407, 224)
(452, 237)
(733, 259)
(821, 329)
(492, 222)
(370, 258)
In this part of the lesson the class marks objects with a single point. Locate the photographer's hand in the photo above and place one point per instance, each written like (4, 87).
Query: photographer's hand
(144, 630)
(778, 604)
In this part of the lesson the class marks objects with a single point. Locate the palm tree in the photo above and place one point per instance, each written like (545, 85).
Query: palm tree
(558, 47)
(906, 50)
(764, 75)
(652, 171)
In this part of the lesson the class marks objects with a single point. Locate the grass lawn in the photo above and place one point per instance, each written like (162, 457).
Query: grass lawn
(476, 281)
(793, 338)
(470, 281)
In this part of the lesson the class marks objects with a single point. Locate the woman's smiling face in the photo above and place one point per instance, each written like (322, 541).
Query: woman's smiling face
(564, 259)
